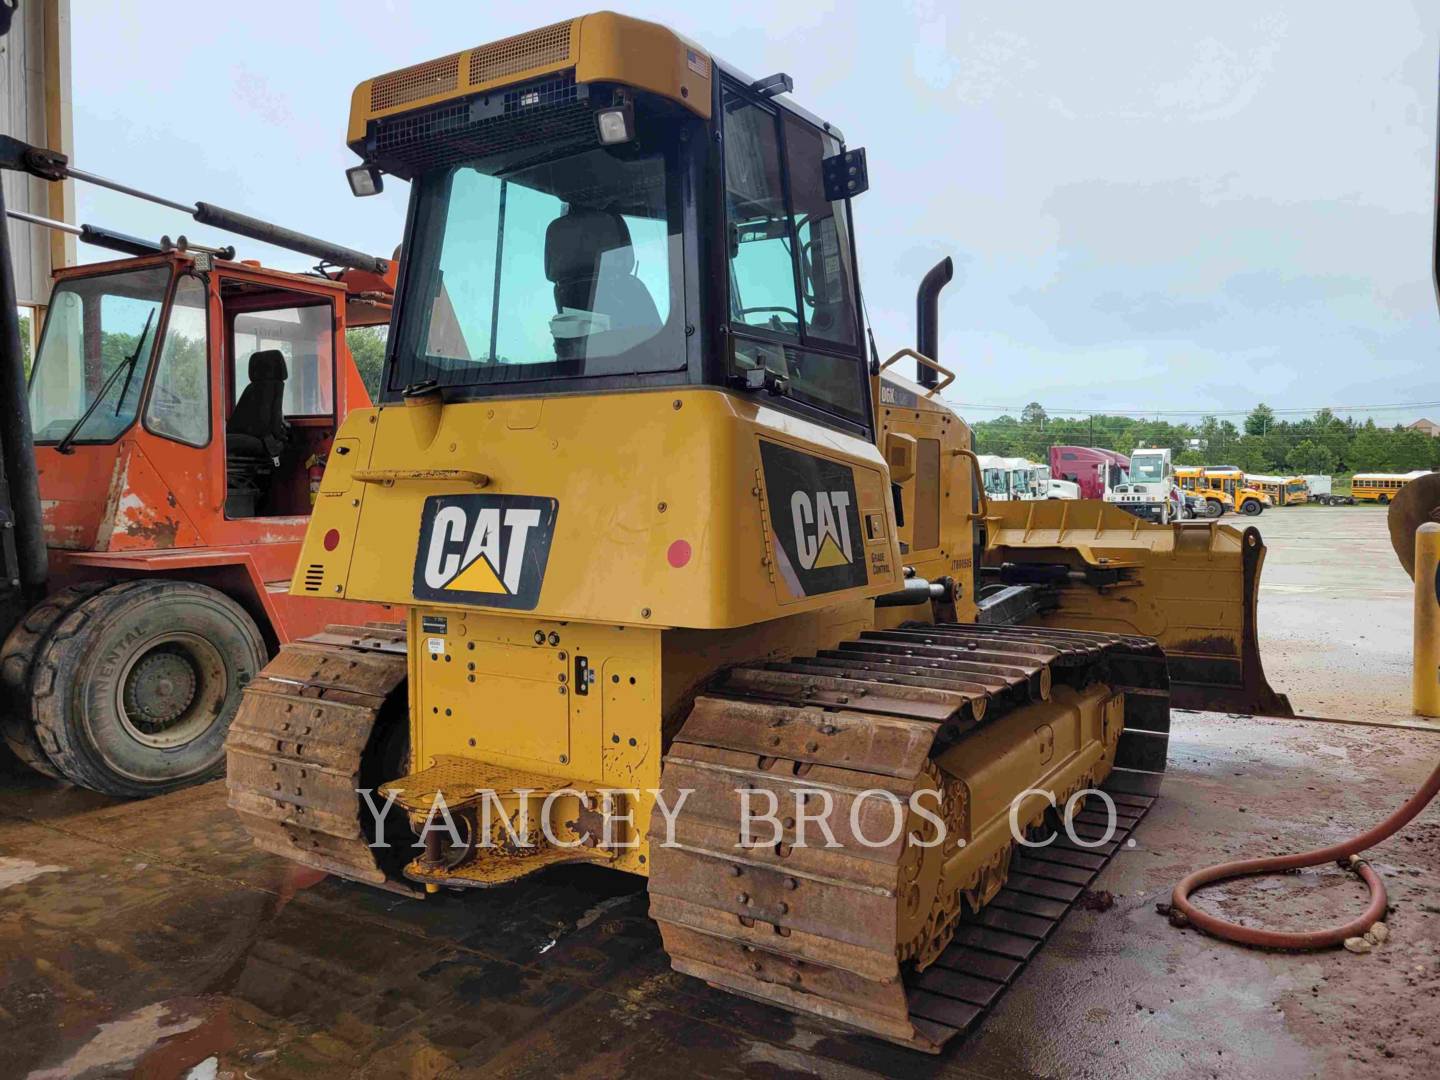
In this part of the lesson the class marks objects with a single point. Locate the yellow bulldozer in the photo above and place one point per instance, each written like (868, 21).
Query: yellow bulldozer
(698, 588)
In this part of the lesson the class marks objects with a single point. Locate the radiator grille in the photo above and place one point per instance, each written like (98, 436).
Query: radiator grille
(414, 83)
(524, 52)
(314, 577)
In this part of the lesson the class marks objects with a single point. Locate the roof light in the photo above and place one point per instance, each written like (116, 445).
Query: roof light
(615, 125)
(364, 180)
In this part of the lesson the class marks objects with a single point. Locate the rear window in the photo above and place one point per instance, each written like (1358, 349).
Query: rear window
(305, 335)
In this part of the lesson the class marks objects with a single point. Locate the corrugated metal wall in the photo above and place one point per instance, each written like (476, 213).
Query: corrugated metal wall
(34, 98)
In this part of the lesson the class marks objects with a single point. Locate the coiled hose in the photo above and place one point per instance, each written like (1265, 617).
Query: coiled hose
(1346, 853)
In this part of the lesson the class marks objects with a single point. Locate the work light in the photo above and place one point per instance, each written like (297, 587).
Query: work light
(364, 180)
(616, 125)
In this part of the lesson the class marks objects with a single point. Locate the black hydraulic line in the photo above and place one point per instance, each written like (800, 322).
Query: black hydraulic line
(50, 165)
(265, 232)
(93, 234)
(17, 441)
(927, 317)
(117, 241)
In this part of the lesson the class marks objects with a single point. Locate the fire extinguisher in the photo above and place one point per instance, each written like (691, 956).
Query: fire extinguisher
(315, 468)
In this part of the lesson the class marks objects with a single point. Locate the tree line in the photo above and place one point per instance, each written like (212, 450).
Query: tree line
(1264, 443)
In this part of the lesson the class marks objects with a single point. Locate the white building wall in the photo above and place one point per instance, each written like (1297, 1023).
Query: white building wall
(35, 107)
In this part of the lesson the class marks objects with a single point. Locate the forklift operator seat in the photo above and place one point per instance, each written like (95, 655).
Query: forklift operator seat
(257, 426)
(255, 435)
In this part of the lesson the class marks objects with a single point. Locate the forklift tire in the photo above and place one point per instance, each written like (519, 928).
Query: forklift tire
(136, 686)
(17, 663)
(1251, 508)
(1214, 508)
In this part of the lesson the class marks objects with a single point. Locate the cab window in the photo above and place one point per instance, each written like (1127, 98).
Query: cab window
(791, 284)
(762, 264)
(304, 336)
(179, 406)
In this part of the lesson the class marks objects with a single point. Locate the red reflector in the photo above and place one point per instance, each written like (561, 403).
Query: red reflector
(332, 539)
(679, 553)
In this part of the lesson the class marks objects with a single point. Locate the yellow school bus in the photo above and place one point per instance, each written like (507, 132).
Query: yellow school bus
(1223, 487)
(1380, 487)
(1283, 490)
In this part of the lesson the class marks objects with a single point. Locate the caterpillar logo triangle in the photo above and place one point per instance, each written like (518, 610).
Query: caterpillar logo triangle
(488, 550)
(830, 554)
(479, 576)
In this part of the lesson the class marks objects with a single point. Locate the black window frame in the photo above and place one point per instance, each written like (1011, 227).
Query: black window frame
(690, 160)
(726, 331)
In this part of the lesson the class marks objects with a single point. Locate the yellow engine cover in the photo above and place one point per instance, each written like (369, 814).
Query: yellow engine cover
(678, 508)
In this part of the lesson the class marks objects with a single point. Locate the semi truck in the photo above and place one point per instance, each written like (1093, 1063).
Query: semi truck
(1150, 491)
(1093, 470)
(1322, 491)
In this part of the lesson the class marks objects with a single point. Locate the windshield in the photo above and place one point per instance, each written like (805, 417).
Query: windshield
(565, 268)
(994, 482)
(94, 354)
(1147, 470)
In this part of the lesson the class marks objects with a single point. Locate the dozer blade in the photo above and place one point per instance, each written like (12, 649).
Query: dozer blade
(1192, 586)
(911, 943)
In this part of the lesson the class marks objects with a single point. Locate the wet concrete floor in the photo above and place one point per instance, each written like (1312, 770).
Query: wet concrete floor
(1335, 611)
(149, 939)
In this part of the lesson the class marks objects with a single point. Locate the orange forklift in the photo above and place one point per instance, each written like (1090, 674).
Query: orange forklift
(158, 471)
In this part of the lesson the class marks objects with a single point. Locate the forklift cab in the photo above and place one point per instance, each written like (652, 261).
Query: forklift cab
(210, 390)
(279, 359)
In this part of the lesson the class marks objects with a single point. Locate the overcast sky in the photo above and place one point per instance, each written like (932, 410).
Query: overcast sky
(1151, 206)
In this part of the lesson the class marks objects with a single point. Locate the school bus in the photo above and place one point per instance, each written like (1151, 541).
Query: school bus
(1380, 487)
(1283, 490)
(1223, 487)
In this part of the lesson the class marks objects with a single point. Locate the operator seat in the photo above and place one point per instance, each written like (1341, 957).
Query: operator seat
(259, 416)
(591, 261)
(255, 433)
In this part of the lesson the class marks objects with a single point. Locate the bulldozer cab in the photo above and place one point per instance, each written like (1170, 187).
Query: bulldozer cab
(177, 399)
(603, 250)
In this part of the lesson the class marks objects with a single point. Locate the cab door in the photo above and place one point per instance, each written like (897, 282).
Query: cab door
(281, 401)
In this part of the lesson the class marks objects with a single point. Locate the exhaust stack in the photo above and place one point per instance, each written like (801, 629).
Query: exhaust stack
(927, 317)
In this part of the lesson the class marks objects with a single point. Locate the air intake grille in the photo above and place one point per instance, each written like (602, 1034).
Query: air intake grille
(414, 83)
(552, 112)
(539, 48)
(314, 577)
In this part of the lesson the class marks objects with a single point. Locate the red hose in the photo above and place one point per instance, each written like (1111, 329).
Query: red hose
(1312, 939)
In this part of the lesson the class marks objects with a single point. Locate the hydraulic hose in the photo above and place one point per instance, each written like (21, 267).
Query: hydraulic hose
(1346, 852)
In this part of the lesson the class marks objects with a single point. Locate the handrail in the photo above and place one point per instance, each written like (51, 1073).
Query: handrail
(924, 361)
(979, 476)
(388, 477)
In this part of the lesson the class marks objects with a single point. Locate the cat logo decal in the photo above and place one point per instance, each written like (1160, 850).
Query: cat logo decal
(487, 550)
